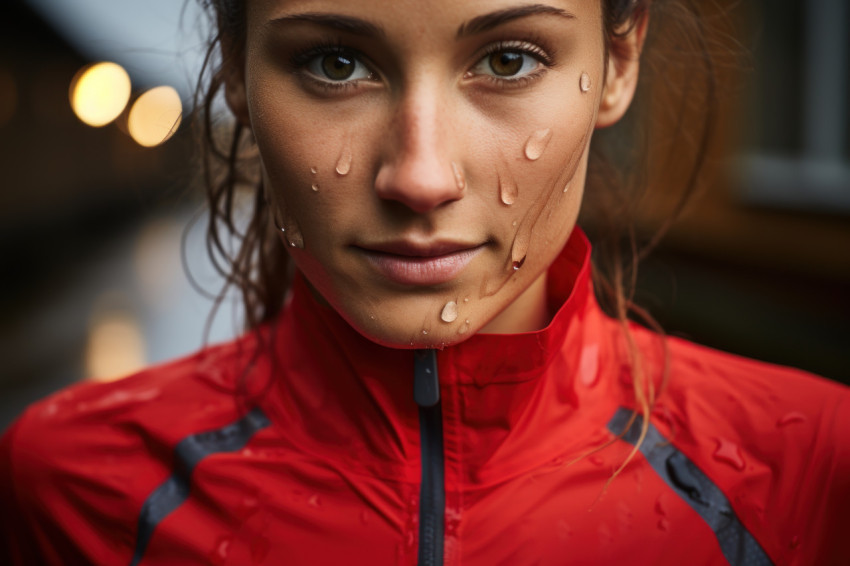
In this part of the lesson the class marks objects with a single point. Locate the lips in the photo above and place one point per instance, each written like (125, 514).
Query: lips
(431, 263)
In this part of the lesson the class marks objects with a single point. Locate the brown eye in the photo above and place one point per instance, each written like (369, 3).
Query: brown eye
(506, 63)
(338, 66)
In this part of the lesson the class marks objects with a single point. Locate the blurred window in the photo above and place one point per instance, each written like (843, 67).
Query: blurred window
(798, 112)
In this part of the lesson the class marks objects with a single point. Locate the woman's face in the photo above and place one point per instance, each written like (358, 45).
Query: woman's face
(426, 159)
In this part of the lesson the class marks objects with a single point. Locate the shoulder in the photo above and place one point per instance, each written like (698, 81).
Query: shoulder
(775, 439)
(76, 463)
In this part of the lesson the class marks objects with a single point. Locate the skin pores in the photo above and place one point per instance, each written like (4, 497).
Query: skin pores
(390, 133)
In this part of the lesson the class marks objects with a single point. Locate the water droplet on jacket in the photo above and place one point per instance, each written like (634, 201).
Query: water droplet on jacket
(313, 170)
(536, 144)
(449, 313)
(596, 461)
(679, 470)
(584, 82)
(663, 524)
(729, 453)
(508, 191)
(365, 517)
(459, 178)
(314, 500)
(563, 529)
(791, 418)
(50, 410)
(659, 507)
(260, 548)
(343, 164)
(588, 366)
(315, 187)
(221, 550)
(795, 542)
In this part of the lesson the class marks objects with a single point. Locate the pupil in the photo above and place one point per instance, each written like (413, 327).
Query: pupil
(338, 67)
(506, 63)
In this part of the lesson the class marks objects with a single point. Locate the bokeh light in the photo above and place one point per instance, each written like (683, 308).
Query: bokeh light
(116, 345)
(99, 93)
(155, 116)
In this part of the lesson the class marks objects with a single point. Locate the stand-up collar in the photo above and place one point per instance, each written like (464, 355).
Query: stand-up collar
(351, 394)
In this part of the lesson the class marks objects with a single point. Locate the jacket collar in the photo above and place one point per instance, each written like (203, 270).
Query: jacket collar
(347, 394)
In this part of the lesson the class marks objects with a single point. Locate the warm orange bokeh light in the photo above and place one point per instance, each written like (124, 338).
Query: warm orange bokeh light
(99, 93)
(155, 116)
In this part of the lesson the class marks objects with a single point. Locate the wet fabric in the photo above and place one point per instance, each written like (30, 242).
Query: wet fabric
(300, 445)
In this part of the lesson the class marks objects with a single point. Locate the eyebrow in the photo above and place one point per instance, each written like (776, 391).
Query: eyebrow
(474, 26)
(494, 19)
(333, 21)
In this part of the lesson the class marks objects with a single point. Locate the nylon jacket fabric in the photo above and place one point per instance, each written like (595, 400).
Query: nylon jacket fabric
(311, 456)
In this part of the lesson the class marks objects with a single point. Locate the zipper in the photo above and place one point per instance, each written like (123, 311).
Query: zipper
(432, 495)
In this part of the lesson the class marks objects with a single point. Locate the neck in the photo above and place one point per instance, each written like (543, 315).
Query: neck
(527, 313)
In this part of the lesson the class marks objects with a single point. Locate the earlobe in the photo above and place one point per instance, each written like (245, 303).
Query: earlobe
(622, 74)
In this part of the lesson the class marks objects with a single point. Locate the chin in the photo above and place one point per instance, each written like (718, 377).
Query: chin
(405, 336)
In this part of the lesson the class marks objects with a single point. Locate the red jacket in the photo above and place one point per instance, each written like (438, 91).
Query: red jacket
(744, 463)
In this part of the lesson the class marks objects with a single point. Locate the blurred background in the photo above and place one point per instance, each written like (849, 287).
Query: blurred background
(99, 191)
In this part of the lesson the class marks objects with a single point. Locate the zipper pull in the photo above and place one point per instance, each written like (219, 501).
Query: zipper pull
(426, 382)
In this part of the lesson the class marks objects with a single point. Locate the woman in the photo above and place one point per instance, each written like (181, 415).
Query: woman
(440, 387)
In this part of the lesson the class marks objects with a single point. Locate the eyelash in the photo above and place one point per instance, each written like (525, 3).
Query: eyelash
(525, 47)
(302, 58)
(530, 47)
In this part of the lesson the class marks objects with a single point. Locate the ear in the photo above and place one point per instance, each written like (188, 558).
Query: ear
(235, 94)
(621, 77)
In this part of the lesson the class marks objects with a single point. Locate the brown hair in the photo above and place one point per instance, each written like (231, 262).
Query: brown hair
(618, 168)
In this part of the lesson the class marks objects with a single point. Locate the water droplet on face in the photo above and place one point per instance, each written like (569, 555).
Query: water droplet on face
(518, 263)
(566, 187)
(449, 313)
(294, 237)
(790, 418)
(729, 453)
(584, 82)
(508, 191)
(536, 144)
(343, 164)
(514, 224)
(313, 170)
(466, 299)
(315, 187)
(425, 332)
(459, 178)
(464, 328)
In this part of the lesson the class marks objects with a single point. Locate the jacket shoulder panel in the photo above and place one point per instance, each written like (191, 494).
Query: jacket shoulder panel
(776, 440)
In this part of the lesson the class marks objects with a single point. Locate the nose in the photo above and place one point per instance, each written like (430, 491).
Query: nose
(418, 170)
